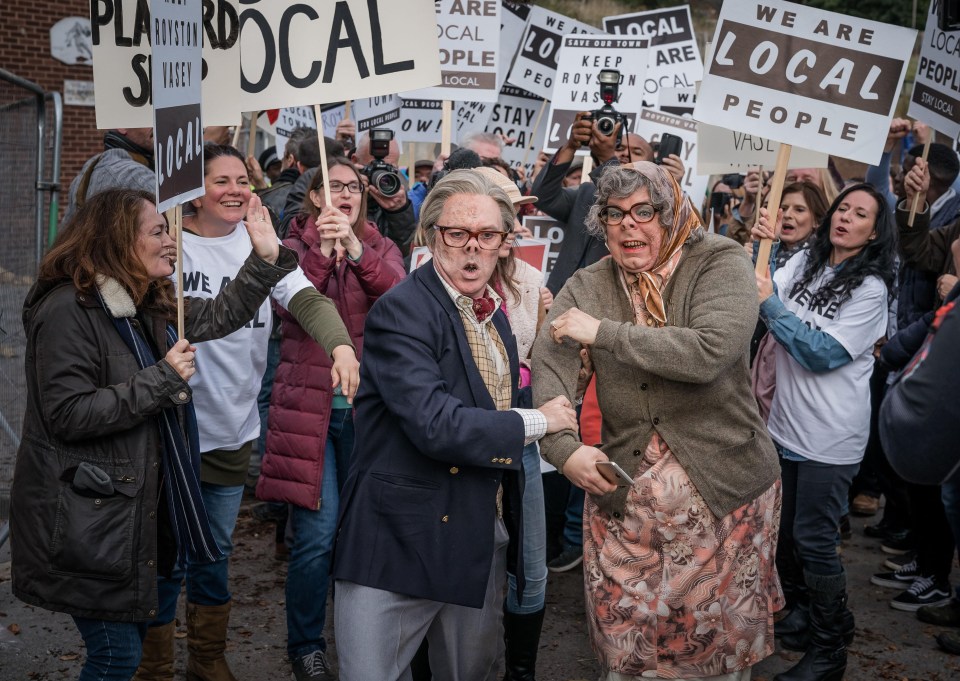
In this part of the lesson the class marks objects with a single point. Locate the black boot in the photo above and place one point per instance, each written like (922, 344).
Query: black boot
(826, 658)
(799, 641)
(521, 634)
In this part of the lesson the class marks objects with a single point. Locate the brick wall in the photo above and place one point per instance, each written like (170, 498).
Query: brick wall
(25, 51)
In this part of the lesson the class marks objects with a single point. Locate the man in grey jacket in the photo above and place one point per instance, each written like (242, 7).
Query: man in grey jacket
(125, 163)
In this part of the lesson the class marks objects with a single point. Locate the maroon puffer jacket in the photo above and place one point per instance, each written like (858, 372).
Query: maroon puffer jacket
(292, 467)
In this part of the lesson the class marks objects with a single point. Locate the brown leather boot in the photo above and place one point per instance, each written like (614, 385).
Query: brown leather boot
(206, 642)
(157, 661)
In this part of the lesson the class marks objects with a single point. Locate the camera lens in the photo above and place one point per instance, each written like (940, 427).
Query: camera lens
(386, 182)
(606, 125)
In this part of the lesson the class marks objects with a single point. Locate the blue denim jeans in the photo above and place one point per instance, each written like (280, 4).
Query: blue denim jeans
(814, 495)
(310, 536)
(206, 582)
(113, 649)
(534, 540)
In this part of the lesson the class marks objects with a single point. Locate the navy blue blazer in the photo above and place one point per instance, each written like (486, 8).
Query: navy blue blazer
(417, 511)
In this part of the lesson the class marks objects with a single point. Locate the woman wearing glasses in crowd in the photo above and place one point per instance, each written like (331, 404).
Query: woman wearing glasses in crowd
(310, 432)
(679, 561)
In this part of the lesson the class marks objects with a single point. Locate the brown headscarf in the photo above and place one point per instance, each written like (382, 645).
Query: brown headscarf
(648, 286)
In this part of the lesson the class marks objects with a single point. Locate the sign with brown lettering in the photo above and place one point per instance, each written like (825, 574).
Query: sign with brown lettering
(936, 86)
(120, 39)
(305, 52)
(469, 35)
(177, 132)
(805, 77)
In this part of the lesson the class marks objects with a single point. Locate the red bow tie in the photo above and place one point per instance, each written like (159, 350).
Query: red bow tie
(483, 307)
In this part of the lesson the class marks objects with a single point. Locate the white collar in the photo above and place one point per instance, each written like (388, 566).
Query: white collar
(115, 296)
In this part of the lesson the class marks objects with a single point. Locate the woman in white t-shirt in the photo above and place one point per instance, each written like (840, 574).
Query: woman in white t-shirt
(827, 310)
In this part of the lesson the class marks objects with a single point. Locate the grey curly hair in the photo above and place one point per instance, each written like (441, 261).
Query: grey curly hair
(619, 182)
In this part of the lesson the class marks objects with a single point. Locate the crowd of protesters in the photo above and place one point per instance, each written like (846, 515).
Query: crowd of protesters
(431, 444)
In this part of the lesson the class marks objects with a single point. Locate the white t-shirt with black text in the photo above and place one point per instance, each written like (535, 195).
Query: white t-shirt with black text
(826, 416)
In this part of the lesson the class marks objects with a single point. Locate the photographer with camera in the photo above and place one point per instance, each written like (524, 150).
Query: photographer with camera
(377, 155)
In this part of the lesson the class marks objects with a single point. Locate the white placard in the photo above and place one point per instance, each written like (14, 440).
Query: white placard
(651, 124)
(469, 37)
(535, 66)
(382, 111)
(121, 55)
(470, 116)
(175, 34)
(420, 120)
(288, 120)
(678, 101)
(513, 116)
(674, 58)
(725, 151)
(936, 87)
(577, 89)
(78, 93)
(71, 42)
(513, 20)
(805, 77)
(301, 53)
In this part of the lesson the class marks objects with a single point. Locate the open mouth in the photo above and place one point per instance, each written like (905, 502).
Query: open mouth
(841, 230)
(345, 208)
(231, 204)
(471, 267)
(634, 245)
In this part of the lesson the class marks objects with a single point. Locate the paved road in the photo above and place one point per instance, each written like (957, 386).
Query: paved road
(890, 645)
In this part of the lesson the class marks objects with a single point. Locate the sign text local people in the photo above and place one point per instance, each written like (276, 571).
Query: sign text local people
(178, 132)
(805, 77)
(936, 89)
(296, 52)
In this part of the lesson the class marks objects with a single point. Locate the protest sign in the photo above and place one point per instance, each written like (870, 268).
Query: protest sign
(290, 119)
(805, 77)
(470, 116)
(420, 120)
(678, 101)
(300, 53)
(175, 77)
(549, 230)
(121, 63)
(382, 111)
(469, 37)
(936, 88)
(724, 151)
(535, 65)
(576, 88)
(513, 21)
(674, 58)
(535, 252)
(330, 117)
(514, 116)
(652, 124)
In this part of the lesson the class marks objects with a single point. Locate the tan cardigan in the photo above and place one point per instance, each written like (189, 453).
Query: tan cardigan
(689, 380)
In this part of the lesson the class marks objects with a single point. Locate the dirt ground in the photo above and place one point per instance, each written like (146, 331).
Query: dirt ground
(36, 645)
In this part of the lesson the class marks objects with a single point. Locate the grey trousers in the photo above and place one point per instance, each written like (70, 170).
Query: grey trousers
(378, 632)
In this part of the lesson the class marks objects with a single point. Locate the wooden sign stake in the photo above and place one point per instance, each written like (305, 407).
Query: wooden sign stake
(446, 126)
(773, 204)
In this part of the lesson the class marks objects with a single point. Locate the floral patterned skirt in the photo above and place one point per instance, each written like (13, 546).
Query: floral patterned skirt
(673, 592)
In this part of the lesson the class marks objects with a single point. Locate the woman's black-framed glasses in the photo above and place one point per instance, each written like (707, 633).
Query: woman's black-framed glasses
(337, 187)
(459, 237)
(640, 212)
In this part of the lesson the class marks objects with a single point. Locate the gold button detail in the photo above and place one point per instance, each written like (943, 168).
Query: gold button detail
(454, 470)
(508, 461)
(152, 613)
(150, 563)
(182, 394)
(444, 519)
(494, 461)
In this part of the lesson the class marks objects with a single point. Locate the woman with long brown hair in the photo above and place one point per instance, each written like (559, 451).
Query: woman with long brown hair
(110, 422)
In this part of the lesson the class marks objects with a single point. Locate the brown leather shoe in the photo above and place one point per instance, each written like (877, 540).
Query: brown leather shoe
(207, 641)
(156, 664)
(864, 505)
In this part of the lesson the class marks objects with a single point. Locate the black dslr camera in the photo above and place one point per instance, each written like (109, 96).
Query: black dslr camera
(381, 174)
(606, 117)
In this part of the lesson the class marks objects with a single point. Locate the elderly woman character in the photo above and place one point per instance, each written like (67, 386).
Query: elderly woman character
(679, 564)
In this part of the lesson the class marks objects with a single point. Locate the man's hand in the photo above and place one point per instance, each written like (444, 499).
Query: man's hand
(560, 415)
(575, 324)
(346, 133)
(604, 147)
(263, 236)
(917, 181)
(674, 166)
(752, 184)
(391, 204)
(945, 284)
(582, 131)
(899, 128)
(255, 173)
(581, 470)
(345, 371)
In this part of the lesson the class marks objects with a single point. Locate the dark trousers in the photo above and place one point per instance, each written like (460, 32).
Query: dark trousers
(931, 529)
(814, 496)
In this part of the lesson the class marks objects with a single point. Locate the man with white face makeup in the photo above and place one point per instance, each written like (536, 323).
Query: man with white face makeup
(434, 496)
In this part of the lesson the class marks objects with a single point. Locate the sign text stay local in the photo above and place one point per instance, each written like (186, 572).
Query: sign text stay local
(805, 77)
